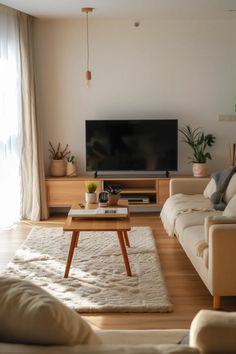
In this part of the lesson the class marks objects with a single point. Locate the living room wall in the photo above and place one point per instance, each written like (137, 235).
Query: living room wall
(161, 69)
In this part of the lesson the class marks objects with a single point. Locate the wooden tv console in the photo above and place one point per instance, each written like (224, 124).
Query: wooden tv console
(64, 191)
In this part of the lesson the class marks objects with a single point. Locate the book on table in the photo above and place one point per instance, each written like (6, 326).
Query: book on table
(98, 212)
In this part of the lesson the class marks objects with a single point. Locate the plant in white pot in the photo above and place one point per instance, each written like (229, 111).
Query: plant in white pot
(199, 143)
(58, 155)
(90, 195)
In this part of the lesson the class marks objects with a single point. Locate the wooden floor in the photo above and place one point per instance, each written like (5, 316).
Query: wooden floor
(187, 292)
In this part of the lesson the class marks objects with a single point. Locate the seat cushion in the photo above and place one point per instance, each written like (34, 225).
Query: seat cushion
(184, 221)
(30, 315)
(182, 204)
(192, 237)
(99, 349)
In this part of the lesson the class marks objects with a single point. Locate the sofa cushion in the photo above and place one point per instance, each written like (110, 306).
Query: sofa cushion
(31, 315)
(99, 349)
(231, 189)
(214, 332)
(210, 189)
(182, 204)
(230, 209)
(184, 221)
(153, 336)
(192, 237)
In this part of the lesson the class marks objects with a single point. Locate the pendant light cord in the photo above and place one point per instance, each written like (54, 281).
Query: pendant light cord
(87, 41)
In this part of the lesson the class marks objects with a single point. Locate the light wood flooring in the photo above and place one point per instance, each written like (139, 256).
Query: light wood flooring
(187, 292)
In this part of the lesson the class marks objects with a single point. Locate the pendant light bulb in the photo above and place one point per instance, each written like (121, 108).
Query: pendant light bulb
(88, 75)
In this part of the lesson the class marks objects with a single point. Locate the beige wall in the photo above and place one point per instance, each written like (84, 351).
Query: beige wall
(162, 69)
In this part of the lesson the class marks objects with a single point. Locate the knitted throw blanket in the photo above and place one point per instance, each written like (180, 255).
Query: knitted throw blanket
(222, 179)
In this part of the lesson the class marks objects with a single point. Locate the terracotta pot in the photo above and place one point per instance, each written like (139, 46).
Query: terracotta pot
(70, 169)
(200, 170)
(57, 168)
(113, 199)
(90, 198)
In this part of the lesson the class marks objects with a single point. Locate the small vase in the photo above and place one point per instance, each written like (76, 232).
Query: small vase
(113, 199)
(90, 198)
(57, 168)
(200, 170)
(70, 169)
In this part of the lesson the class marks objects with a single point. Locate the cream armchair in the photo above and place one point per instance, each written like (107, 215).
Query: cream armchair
(207, 236)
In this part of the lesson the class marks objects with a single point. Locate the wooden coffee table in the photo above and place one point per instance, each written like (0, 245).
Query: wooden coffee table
(119, 225)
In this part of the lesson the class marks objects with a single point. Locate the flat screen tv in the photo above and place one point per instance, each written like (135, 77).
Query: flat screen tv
(132, 145)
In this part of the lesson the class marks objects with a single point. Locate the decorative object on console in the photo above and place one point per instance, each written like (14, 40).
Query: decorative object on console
(70, 166)
(103, 199)
(57, 155)
(88, 75)
(90, 195)
(198, 141)
(113, 194)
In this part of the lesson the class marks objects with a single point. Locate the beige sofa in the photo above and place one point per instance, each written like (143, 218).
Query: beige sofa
(34, 322)
(207, 236)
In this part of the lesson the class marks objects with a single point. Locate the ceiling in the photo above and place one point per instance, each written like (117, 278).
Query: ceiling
(128, 9)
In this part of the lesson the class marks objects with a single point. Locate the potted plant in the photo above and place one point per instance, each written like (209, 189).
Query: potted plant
(90, 195)
(57, 155)
(70, 166)
(199, 142)
(113, 194)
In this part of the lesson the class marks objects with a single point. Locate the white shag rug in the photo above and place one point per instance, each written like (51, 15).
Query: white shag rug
(97, 280)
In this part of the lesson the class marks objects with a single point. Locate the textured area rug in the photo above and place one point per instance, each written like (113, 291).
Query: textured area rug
(97, 281)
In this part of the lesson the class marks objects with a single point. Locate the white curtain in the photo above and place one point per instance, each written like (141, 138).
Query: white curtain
(10, 118)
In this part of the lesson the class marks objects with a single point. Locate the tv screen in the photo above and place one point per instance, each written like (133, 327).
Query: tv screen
(131, 145)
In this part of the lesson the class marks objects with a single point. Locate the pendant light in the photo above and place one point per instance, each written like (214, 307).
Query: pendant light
(88, 75)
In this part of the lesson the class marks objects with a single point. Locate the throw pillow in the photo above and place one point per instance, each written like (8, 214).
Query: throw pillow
(230, 209)
(231, 189)
(210, 189)
(31, 315)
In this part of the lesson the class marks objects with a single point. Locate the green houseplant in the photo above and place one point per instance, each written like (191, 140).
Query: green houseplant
(199, 142)
(90, 195)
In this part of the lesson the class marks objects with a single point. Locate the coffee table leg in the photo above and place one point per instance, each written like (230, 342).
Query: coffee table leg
(124, 253)
(73, 244)
(76, 243)
(126, 238)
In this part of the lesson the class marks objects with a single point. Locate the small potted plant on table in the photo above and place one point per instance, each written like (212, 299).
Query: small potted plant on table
(90, 195)
(113, 195)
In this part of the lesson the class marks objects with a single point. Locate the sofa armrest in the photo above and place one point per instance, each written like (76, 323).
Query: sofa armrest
(214, 332)
(215, 220)
(190, 185)
(222, 259)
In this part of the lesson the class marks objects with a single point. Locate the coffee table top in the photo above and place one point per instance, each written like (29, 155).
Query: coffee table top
(97, 224)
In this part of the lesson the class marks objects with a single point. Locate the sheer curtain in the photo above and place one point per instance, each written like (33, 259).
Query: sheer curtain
(10, 118)
(33, 196)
